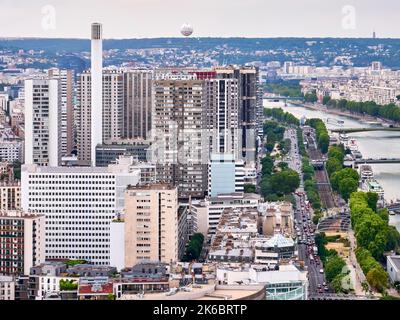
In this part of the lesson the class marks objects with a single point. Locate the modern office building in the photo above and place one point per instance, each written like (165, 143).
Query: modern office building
(109, 153)
(22, 241)
(249, 105)
(10, 195)
(151, 224)
(66, 82)
(78, 229)
(42, 122)
(138, 104)
(225, 175)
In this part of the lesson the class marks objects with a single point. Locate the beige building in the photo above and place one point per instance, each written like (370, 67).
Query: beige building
(277, 217)
(10, 195)
(151, 224)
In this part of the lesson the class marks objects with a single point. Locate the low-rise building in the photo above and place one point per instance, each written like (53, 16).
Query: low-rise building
(206, 213)
(7, 288)
(393, 268)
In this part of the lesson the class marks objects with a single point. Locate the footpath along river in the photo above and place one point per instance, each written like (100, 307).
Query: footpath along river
(374, 144)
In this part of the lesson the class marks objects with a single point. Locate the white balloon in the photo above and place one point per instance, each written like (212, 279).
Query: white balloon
(186, 30)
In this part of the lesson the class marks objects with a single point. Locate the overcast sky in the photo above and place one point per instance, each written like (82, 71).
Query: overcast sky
(210, 18)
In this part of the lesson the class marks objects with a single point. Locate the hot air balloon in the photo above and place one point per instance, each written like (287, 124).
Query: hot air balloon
(186, 30)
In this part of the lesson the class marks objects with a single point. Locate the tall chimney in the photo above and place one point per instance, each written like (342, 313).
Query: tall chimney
(97, 89)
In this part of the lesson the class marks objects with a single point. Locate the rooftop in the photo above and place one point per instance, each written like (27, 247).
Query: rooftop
(153, 186)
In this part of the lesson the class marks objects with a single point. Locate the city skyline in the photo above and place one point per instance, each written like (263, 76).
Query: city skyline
(254, 18)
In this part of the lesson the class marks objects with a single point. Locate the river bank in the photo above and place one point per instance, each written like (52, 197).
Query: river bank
(338, 112)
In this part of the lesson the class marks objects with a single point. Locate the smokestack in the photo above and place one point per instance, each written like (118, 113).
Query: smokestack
(97, 89)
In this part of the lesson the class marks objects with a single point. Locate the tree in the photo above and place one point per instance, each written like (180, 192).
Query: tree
(346, 187)
(323, 142)
(372, 199)
(378, 279)
(284, 182)
(371, 233)
(326, 100)
(365, 286)
(333, 165)
(249, 188)
(194, 247)
(333, 267)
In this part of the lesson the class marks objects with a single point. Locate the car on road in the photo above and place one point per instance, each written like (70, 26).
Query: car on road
(321, 270)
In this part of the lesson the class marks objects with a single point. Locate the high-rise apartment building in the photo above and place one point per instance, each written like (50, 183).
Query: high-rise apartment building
(10, 195)
(66, 82)
(151, 224)
(79, 203)
(181, 136)
(112, 112)
(22, 241)
(222, 111)
(138, 104)
(42, 122)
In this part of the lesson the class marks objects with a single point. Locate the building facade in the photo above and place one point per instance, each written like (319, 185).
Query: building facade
(10, 195)
(42, 122)
(66, 82)
(22, 242)
(151, 224)
(138, 104)
(78, 229)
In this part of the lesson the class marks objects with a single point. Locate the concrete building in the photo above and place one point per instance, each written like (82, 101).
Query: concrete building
(66, 82)
(393, 268)
(22, 241)
(249, 105)
(11, 151)
(138, 104)
(151, 224)
(10, 195)
(45, 280)
(108, 153)
(181, 139)
(206, 213)
(286, 283)
(42, 122)
(277, 217)
(225, 175)
(222, 114)
(183, 230)
(78, 229)
(7, 288)
(111, 116)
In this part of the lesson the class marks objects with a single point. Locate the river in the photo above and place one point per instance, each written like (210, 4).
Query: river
(376, 144)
